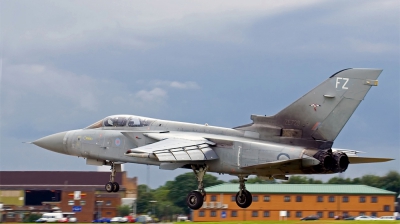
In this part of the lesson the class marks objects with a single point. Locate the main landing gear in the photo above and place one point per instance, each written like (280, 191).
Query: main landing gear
(112, 186)
(195, 199)
(243, 197)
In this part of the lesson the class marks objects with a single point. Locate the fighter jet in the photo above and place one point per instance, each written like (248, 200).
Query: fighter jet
(297, 140)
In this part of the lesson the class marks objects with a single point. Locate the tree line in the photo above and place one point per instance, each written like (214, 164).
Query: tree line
(171, 197)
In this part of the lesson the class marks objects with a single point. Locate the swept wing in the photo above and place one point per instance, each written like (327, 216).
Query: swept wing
(171, 148)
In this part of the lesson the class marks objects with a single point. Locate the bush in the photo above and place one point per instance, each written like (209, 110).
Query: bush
(32, 217)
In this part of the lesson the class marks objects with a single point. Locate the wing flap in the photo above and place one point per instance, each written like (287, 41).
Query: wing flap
(209, 153)
(176, 149)
(196, 155)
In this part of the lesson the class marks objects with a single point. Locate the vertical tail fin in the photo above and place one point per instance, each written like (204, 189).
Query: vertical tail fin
(322, 113)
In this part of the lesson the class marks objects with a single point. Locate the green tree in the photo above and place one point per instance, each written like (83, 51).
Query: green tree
(391, 182)
(145, 195)
(185, 183)
(297, 180)
(164, 207)
(371, 180)
(312, 181)
(339, 180)
(32, 217)
(124, 210)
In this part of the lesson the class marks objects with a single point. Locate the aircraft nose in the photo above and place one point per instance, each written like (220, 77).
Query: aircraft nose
(52, 142)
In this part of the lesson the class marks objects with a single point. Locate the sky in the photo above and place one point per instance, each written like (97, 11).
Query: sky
(67, 64)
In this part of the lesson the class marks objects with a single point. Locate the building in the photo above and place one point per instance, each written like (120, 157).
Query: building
(82, 193)
(298, 200)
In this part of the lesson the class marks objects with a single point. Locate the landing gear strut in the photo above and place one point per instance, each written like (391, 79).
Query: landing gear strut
(195, 199)
(112, 186)
(243, 197)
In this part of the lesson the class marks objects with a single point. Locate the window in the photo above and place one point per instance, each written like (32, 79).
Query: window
(234, 213)
(345, 199)
(71, 202)
(108, 213)
(288, 214)
(374, 199)
(362, 213)
(108, 202)
(254, 214)
(331, 198)
(286, 198)
(213, 213)
(83, 202)
(266, 198)
(331, 214)
(10, 215)
(373, 214)
(233, 198)
(345, 214)
(362, 199)
(319, 214)
(213, 198)
(299, 198)
(298, 214)
(320, 198)
(201, 213)
(255, 198)
(266, 213)
(386, 208)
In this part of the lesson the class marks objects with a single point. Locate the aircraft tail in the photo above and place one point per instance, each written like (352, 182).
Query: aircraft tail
(321, 113)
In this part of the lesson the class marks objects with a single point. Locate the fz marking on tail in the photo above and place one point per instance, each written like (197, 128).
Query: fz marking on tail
(346, 80)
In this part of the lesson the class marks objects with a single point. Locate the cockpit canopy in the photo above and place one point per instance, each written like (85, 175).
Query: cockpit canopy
(122, 121)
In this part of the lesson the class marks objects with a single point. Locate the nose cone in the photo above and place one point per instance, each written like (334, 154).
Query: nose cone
(52, 142)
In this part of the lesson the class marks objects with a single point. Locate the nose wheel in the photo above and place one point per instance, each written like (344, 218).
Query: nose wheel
(112, 186)
(195, 199)
(243, 197)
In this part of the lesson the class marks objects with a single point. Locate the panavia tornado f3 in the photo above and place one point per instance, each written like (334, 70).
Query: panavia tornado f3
(297, 140)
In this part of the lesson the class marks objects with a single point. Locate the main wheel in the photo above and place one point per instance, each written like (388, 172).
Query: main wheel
(116, 187)
(194, 200)
(244, 200)
(109, 187)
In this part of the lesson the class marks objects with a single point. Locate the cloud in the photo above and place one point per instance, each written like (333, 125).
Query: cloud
(177, 84)
(364, 46)
(154, 95)
(21, 80)
(184, 85)
(67, 26)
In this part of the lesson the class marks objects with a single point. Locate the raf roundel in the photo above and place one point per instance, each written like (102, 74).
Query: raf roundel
(117, 142)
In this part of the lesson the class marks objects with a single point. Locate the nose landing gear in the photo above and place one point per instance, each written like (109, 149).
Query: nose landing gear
(195, 199)
(243, 197)
(112, 186)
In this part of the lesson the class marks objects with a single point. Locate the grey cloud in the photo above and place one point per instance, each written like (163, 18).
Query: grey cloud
(151, 96)
(68, 26)
(184, 85)
(178, 85)
(20, 80)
